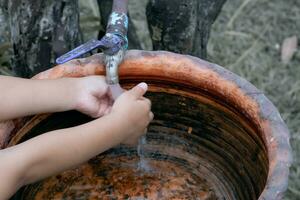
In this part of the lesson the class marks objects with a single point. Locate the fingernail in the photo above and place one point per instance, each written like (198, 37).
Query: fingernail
(143, 85)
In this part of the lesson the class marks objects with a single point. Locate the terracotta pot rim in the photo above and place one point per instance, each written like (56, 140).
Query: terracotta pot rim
(193, 72)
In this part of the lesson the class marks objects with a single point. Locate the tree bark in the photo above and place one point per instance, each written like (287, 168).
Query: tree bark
(4, 24)
(105, 7)
(182, 26)
(40, 32)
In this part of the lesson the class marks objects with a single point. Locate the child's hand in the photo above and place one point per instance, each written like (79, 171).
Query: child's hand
(133, 112)
(93, 97)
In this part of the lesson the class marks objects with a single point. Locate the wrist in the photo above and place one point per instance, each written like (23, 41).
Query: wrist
(68, 94)
(78, 90)
(121, 122)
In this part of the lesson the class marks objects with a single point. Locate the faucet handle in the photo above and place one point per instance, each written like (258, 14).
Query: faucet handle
(110, 44)
(113, 41)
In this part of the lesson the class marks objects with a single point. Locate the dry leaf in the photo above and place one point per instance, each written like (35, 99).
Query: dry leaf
(288, 49)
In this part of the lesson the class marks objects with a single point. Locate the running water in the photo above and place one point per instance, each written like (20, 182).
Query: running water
(143, 165)
(116, 90)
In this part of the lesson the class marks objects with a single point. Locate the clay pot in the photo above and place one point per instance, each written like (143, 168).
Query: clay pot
(214, 136)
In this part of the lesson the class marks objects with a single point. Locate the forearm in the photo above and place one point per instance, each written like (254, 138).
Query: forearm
(48, 154)
(20, 97)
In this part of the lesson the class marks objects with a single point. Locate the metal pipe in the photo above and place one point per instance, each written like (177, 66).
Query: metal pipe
(117, 25)
(112, 66)
(120, 6)
(113, 44)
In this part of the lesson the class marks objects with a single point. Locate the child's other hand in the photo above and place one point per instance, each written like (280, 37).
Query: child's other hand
(133, 112)
(93, 97)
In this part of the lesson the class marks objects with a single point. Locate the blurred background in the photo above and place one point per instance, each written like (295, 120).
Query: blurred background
(256, 39)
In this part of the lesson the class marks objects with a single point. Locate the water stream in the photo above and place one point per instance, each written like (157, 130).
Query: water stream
(143, 166)
(116, 90)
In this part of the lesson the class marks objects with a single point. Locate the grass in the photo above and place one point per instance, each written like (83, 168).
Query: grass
(246, 39)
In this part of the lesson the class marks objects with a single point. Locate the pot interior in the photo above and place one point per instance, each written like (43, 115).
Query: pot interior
(197, 147)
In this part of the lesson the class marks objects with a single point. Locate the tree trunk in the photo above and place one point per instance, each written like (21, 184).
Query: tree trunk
(105, 7)
(40, 32)
(4, 24)
(182, 26)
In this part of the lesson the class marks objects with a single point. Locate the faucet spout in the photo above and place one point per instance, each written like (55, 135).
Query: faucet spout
(117, 26)
(113, 44)
(112, 65)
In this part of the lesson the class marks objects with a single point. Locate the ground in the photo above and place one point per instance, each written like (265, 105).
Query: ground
(246, 39)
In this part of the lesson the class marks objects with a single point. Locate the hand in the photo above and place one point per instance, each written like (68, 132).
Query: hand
(93, 96)
(133, 112)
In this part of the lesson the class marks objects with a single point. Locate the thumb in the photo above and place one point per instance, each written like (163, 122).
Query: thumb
(139, 90)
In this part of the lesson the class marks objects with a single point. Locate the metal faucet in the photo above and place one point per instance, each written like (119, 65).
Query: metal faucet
(111, 66)
(113, 44)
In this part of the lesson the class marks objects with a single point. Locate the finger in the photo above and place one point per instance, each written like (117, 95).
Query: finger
(102, 92)
(107, 100)
(110, 100)
(147, 101)
(145, 105)
(99, 80)
(151, 116)
(107, 111)
(102, 109)
(139, 90)
(98, 77)
(109, 94)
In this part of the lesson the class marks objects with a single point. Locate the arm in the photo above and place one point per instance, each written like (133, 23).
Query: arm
(59, 150)
(54, 152)
(21, 97)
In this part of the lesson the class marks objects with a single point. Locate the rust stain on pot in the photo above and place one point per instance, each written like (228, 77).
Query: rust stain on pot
(125, 181)
(187, 79)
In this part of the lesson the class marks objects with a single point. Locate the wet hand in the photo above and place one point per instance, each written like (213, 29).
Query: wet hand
(92, 96)
(132, 111)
